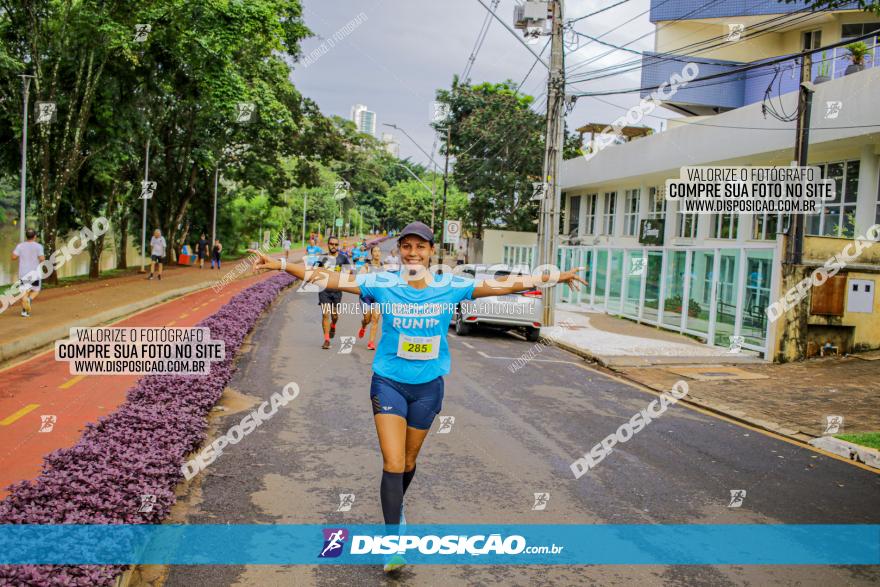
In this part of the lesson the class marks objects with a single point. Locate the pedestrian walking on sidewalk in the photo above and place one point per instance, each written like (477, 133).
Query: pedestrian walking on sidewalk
(413, 356)
(215, 253)
(157, 252)
(29, 254)
(202, 250)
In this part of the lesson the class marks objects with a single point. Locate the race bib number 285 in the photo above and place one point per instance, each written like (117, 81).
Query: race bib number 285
(419, 348)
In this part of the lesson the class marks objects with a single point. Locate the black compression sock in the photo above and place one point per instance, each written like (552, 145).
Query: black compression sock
(391, 495)
(407, 479)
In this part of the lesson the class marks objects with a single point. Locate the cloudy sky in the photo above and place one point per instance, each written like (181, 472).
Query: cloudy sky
(405, 49)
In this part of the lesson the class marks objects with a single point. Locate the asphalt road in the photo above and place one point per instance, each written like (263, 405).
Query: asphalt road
(514, 434)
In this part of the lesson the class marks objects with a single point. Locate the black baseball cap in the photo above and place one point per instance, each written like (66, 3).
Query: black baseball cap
(419, 229)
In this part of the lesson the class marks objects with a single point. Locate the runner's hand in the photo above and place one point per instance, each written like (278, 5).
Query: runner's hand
(263, 261)
(572, 279)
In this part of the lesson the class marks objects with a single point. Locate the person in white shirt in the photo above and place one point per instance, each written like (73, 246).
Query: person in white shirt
(286, 246)
(29, 254)
(157, 252)
(392, 261)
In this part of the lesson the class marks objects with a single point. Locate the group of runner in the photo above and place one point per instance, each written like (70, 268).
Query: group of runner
(407, 387)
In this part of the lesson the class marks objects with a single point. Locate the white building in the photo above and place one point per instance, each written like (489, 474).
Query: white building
(364, 119)
(391, 144)
(714, 276)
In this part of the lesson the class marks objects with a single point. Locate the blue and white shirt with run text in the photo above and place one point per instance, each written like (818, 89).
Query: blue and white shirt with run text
(415, 322)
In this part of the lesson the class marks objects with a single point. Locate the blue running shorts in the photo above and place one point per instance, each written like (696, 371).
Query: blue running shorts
(417, 403)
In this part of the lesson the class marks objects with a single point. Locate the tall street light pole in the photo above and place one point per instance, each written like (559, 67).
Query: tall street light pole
(214, 220)
(144, 218)
(26, 80)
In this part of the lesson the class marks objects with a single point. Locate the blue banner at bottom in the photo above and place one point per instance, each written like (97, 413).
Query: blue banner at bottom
(751, 544)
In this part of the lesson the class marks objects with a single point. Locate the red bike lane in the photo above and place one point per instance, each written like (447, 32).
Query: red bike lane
(42, 386)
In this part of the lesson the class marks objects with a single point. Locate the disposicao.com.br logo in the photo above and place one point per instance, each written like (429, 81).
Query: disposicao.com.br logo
(474, 545)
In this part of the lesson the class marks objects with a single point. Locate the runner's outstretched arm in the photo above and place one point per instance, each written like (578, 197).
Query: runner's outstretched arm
(510, 284)
(332, 280)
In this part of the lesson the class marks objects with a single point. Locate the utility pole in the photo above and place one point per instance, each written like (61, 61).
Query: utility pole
(795, 245)
(548, 220)
(433, 187)
(26, 79)
(305, 206)
(445, 188)
(144, 218)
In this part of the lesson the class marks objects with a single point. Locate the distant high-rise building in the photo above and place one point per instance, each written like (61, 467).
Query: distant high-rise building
(364, 119)
(391, 144)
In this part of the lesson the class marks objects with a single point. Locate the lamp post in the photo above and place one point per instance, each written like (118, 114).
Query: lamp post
(26, 80)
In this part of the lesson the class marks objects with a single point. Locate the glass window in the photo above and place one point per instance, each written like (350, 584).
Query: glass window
(848, 31)
(601, 276)
(766, 226)
(725, 304)
(615, 281)
(636, 266)
(725, 225)
(812, 39)
(687, 225)
(757, 297)
(631, 212)
(701, 291)
(608, 216)
(672, 305)
(837, 216)
(657, 203)
(652, 286)
(574, 213)
(590, 219)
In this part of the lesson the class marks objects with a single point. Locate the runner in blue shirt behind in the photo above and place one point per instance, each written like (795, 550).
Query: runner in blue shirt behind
(413, 355)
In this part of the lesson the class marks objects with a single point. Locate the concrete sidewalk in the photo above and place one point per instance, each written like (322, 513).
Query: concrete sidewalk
(99, 301)
(616, 342)
(794, 399)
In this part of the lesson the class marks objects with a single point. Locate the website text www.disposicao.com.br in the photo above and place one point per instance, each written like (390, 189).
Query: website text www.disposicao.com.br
(452, 544)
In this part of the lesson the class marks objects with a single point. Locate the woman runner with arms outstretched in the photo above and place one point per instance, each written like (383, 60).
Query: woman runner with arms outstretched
(413, 355)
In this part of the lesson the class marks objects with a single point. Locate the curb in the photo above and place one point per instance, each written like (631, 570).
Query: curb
(854, 452)
(13, 349)
(736, 415)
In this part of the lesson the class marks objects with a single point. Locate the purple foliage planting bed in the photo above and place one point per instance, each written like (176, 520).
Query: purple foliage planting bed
(136, 450)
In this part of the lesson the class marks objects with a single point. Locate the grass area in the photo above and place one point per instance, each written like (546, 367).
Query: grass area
(869, 439)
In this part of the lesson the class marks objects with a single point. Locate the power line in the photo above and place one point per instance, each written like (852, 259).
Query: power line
(736, 71)
(481, 38)
(574, 20)
(695, 48)
(685, 121)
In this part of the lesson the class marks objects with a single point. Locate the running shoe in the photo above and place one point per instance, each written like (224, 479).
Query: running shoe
(394, 563)
(332, 330)
(362, 332)
(402, 515)
(326, 344)
(371, 345)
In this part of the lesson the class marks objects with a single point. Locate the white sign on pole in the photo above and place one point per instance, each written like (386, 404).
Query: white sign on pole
(147, 190)
(46, 112)
(538, 190)
(451, 232)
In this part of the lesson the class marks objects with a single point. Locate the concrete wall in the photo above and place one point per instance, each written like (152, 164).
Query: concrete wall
(494, 241)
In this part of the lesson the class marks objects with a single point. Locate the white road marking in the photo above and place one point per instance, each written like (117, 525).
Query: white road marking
(467, 344)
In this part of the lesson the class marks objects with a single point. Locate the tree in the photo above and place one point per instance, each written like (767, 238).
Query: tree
(498, 145)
